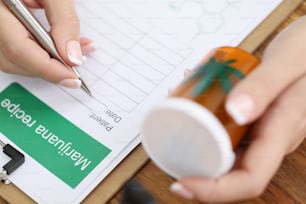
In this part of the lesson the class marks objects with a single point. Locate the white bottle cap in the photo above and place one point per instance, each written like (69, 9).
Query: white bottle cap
(184, 139)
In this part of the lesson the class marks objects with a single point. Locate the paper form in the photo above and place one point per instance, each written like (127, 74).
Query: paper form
(143, 48)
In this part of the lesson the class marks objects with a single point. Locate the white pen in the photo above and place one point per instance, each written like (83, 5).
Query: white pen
(41, 35)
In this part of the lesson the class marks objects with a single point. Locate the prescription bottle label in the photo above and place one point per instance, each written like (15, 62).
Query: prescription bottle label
(50, 139)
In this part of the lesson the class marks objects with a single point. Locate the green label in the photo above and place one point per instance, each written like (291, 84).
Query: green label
(54, 142)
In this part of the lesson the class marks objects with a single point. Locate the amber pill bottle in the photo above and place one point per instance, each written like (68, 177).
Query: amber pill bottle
(189, 133)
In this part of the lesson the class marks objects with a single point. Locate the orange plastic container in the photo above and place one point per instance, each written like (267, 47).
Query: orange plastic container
(190, 133)
(229, 66)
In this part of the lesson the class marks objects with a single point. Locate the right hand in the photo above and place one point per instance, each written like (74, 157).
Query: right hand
(20, 54)
(273, 95)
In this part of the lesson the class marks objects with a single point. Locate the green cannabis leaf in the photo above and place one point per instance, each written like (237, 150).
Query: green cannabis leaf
(212, 71)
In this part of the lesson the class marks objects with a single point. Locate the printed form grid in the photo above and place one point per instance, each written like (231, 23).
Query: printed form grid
(140, 43)
(128, 65)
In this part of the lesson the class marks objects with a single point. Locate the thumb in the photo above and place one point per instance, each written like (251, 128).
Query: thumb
(283, 63)
(65, 29)
(252, 96)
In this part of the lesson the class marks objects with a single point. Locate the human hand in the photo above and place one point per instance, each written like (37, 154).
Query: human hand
(274, 96)
(20, 54)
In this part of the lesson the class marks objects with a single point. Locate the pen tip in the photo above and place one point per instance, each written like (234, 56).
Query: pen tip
(85, 88)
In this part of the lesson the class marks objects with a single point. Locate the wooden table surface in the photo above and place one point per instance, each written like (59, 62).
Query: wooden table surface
(287, 187)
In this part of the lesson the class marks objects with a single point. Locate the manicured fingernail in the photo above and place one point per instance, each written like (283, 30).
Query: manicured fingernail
(89, 48)
(180, 190)
(241, 108)
(71, 83)
(74, 52)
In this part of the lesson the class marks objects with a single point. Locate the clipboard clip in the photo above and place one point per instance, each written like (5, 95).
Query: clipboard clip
(17, 159)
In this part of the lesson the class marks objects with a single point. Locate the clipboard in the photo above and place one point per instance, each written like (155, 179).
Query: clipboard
(138, 158)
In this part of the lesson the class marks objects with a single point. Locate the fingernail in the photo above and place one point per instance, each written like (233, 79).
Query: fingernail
(71, 83)
(74, 52)
(180, 190)
(241, 108)
(89, 48)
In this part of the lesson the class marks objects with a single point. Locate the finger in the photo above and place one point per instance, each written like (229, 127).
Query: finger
(9, 43)
(292, 105)
(32, 3)
(248, 181)
(38, 63)
(7, 67)
(87, 46)
(280, 67)
(65, 29)
(281, 130)
(85, 41)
